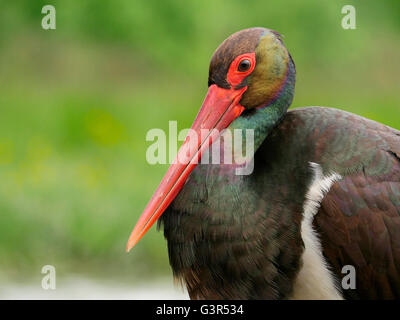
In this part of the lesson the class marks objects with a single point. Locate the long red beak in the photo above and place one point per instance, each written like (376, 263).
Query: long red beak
(219, 109)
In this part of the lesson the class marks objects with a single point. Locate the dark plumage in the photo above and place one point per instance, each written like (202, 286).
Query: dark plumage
(245, 236)
(249, 246)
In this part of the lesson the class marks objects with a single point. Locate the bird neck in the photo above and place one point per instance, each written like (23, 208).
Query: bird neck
(265, 118)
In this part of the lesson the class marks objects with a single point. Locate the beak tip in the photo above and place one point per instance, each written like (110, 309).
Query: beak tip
(133, 240)
(129, 246)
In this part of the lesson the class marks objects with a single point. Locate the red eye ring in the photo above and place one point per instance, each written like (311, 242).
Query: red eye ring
(236, 74)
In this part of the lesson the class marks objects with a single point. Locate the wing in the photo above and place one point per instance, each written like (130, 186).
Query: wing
(359, 225)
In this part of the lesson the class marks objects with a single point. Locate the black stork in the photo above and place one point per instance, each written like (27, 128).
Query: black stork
(324, 192)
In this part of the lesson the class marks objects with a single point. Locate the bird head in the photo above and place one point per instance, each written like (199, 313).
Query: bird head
(247, 71)
(255, 59)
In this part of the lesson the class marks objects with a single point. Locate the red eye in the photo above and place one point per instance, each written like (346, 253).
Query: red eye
(240, 68)
(244, 65)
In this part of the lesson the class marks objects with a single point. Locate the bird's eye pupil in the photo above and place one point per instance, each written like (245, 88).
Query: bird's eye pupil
(244, 65)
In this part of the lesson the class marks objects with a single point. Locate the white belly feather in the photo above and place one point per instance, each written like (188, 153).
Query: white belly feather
(315, 281)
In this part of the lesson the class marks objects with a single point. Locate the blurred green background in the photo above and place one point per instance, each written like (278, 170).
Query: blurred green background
(76, 104)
